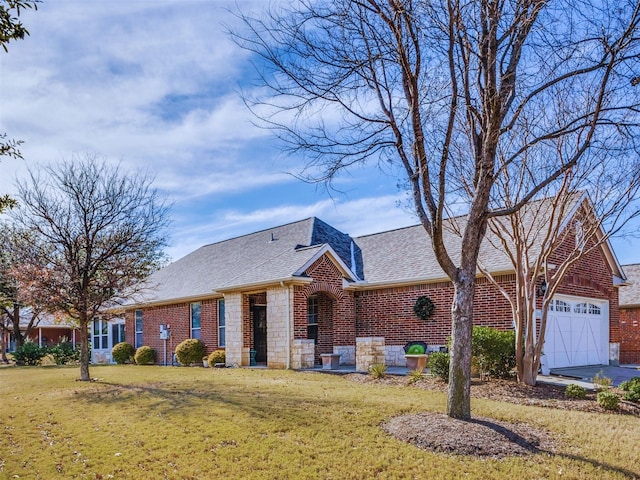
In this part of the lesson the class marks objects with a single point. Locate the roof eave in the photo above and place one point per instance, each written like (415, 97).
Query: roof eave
(291, 280)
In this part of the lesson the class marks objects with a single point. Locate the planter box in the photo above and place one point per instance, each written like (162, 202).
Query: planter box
(416, 361)
(330, 361)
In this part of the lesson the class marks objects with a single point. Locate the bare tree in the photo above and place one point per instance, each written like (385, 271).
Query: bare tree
(545, 239)
(100, 232)
(458, 95)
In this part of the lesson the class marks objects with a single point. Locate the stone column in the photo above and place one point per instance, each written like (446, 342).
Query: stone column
(233, 322)
(369, 351)
(302, 354)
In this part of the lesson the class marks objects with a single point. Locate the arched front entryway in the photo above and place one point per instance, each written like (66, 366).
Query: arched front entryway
(320, 314)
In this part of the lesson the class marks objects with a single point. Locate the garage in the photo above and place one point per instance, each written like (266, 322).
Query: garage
(577, 332)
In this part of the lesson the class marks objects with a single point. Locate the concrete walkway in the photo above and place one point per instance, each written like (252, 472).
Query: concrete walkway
(586, 374)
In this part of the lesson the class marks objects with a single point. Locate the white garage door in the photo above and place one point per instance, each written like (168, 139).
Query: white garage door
(577, 333)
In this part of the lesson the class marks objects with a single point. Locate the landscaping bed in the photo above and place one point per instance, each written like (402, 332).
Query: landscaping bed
(504, 390)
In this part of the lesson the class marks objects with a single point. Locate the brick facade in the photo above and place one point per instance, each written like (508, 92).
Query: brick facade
(178, 316)
(630, 335)
(347, 313)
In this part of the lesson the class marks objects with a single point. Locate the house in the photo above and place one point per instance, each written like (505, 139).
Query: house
(284, 296)
(630, 317)
(48, 331)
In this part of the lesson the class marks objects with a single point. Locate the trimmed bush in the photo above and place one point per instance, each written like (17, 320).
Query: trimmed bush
(145, 356)
(438, 365)
(629, 385)
(30, 354)
(64, 353)
(217, 356)
(575, 391)
(190, 351)
(122, 352)
(631, 389)
(608, 400)
(493, 351)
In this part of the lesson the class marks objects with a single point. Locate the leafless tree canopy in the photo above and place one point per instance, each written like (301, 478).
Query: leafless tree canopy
(90, 235)
(460, 96)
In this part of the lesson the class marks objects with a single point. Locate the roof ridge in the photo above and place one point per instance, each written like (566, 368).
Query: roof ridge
(257, 232)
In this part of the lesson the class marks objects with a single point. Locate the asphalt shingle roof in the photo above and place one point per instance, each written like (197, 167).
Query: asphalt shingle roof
(274, 254)
(271, 254)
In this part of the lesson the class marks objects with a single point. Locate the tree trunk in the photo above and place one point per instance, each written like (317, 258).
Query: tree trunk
(84, 351)
(529, 373)
(459, 395)
(17, 334)
(3, 344)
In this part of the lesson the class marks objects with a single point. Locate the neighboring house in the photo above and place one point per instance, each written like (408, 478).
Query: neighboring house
(630, 316)
(49, 331)
(283, 296)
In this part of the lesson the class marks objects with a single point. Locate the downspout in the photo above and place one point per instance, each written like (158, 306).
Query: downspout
(288, 326)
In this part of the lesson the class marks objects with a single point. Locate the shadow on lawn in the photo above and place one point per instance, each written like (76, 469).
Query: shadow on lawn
(535, 449)
(270, 404)
(169, 398)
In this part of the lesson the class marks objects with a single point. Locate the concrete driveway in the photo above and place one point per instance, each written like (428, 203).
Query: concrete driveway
(616, 374)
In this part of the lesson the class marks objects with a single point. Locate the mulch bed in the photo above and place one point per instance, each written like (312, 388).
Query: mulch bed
(484, 437)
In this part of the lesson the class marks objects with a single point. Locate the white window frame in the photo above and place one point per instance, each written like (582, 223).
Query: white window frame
(138, 331)
(100, 334)
(222, 324)
(195, 332)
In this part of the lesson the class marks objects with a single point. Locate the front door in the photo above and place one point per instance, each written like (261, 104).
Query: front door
(260, 332)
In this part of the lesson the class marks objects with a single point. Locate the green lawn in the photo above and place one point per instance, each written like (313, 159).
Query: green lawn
(194, 423)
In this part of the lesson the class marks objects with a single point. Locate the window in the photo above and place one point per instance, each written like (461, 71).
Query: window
(100, 338)
(312, 318)
(117, 333)
(589, 308)
(138, 319)
(559, 306)
(221, 324)
(580, 308)
(195, 320)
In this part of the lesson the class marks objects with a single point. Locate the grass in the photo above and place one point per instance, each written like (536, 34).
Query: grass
(192, 423)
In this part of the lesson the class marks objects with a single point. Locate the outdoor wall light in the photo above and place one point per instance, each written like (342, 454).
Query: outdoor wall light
(542, 289)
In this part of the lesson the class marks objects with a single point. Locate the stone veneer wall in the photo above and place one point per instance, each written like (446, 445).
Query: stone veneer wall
(279, 313)
(347, 354)
(369, 351)
(394, 356)
(233, 322)
(302, 354)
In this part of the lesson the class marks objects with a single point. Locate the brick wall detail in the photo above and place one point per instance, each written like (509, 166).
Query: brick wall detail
(630, 335)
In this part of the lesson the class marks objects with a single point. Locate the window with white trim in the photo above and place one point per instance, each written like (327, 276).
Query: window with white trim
(312, 318)
(138, 322)
(559, 306)
(100, 338)
(221, 324)
(588, 308)
(196, 309)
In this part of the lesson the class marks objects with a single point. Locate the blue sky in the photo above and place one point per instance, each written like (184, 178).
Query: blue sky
(154, 84)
